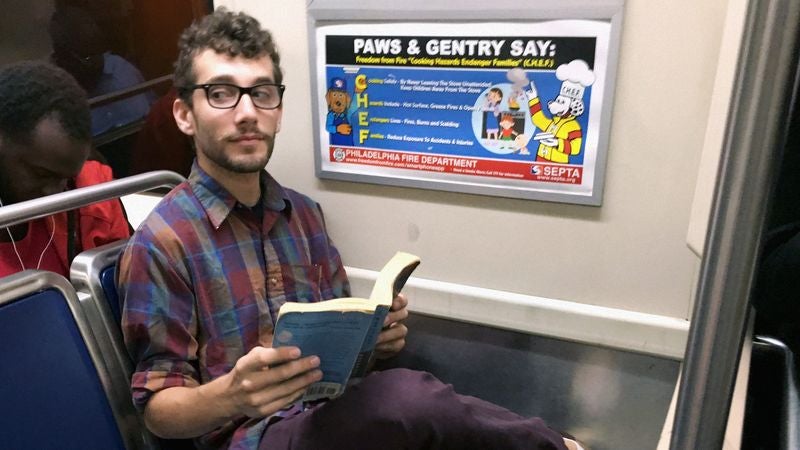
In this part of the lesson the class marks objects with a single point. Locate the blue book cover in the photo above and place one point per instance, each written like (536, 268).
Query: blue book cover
(343, 331)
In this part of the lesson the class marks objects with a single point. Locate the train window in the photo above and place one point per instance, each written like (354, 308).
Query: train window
(122, 52)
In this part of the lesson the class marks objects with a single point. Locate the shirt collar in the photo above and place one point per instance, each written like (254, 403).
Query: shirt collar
(218, 202)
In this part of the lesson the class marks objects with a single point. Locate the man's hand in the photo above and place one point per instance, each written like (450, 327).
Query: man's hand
(268, 379)
(261, 383)
(344, 128)
(392, 338)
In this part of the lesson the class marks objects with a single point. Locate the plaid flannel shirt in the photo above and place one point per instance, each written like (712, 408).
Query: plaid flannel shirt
(203, 277)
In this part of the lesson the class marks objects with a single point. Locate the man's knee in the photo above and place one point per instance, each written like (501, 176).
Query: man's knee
(407, 395)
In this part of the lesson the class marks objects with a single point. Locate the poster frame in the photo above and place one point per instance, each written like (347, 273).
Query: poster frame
(322, 13)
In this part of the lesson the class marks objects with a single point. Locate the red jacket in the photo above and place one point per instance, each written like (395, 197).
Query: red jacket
(98, 224)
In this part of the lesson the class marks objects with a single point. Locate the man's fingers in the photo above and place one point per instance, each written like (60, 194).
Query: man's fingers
(399, 331)
(389, 348)
(286, 388)
(395, 316)
(391, 341)
(280, 403)
(399, 302)
(293, 368)
(275, 399)
(398, 310)
(260, 358)
(259, 370)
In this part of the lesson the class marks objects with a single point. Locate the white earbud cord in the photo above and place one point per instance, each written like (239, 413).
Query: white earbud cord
(41, 256)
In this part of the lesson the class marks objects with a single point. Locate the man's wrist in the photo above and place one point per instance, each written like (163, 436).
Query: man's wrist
(216, 393)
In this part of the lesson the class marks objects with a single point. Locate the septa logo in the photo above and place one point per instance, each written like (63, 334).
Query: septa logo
(536, 169)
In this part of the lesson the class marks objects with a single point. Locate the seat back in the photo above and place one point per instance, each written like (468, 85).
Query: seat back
(54, 384)
(93, 273)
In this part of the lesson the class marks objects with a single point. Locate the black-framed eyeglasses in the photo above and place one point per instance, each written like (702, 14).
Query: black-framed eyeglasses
(227, 96)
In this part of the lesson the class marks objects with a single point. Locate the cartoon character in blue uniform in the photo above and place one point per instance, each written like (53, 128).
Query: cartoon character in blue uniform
(337, 122)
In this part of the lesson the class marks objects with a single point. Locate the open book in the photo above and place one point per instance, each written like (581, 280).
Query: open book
(342, 331)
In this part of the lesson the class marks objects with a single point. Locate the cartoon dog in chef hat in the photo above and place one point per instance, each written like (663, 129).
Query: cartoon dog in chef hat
(561, 135)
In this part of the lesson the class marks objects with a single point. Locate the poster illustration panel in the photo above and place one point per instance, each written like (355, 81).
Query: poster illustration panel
(512, 108)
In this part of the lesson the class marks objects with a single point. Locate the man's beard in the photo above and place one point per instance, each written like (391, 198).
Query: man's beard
(215, 152)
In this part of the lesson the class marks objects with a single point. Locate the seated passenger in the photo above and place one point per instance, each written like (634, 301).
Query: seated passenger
(204, 275)
(44, 143)
(79, 47)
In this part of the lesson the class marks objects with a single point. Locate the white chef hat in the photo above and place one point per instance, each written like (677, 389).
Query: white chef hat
(574, 77)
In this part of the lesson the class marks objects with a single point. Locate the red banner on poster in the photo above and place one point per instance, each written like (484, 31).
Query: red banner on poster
(532, 171)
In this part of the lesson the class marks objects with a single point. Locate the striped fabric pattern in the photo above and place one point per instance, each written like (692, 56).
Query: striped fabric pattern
(202, 280)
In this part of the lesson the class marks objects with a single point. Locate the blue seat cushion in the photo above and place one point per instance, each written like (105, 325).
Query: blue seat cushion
(109, 286)
(50, 391)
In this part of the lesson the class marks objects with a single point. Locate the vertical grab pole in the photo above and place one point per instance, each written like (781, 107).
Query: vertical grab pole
(754, 138)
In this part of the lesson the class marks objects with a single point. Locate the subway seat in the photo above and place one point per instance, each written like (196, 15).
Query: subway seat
(58, 390)
(93, 273)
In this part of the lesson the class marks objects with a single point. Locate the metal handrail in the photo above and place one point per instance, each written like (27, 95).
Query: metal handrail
(754, 139)
(76, 198)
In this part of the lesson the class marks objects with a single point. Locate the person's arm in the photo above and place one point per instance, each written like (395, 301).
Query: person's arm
(261, 383)
(392, 338)
(103, 222)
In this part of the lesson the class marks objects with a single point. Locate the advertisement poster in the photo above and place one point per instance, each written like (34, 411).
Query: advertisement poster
(496, 108)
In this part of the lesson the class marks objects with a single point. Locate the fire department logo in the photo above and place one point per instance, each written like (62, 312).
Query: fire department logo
(338, 154)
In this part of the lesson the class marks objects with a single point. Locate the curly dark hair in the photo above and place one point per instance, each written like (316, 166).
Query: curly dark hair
(34, 90)
(226, 32)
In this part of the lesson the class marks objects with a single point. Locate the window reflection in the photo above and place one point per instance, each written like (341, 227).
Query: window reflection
(80, 47)
(23, 26)
(112, 46)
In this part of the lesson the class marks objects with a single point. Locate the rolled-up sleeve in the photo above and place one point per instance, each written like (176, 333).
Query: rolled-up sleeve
(159, 321)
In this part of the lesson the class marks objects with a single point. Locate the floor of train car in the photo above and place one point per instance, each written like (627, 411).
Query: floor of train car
(610, 399)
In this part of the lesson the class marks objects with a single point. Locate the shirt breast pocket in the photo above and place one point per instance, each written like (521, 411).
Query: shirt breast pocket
(294, 283)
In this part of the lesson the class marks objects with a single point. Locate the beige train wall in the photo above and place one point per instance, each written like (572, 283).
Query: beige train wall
(621, 274)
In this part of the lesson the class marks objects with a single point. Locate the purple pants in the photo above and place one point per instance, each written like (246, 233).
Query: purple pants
(406, 409)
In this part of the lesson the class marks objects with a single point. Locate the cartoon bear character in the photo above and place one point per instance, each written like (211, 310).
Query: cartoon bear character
(337, 122)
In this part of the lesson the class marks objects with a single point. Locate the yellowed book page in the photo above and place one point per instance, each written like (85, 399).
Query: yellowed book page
(393, 276)
(339, 304)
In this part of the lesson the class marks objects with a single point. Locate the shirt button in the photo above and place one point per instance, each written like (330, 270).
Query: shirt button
(273, 281)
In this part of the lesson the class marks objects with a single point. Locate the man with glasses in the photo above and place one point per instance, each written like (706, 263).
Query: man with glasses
(204, 275)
